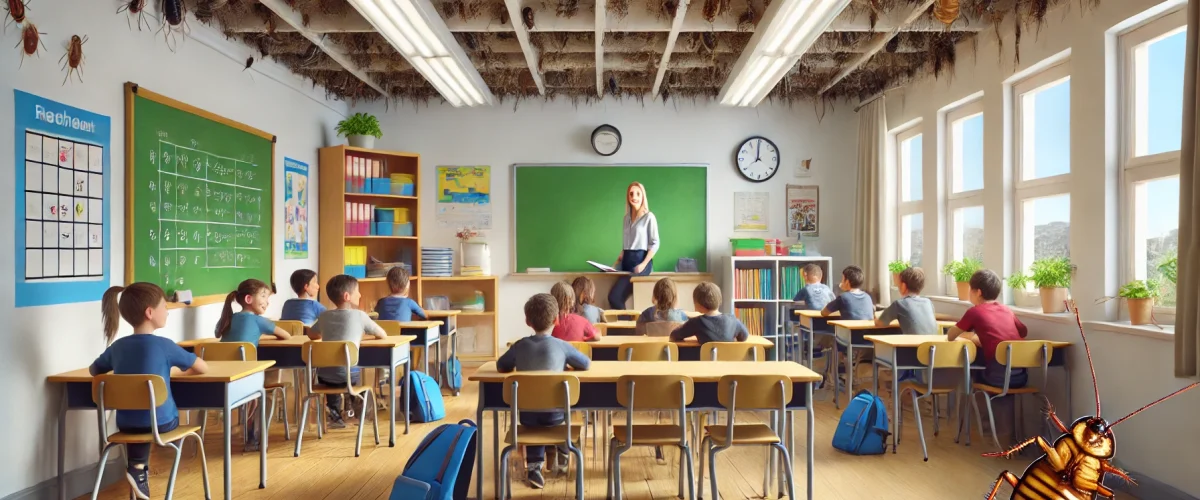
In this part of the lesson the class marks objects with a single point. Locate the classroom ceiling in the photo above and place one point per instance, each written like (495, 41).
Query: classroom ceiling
(872, 46)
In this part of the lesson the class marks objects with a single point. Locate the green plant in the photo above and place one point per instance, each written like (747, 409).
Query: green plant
(359, 124)
(898, 266)
(962, 270)
(1169, 267)
(1139, 289)
(1018, 280)
(1051, 273)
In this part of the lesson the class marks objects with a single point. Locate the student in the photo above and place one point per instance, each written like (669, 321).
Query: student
(852, 303)
(397, 306)
(711, 325)
(304, 308)
(665, 297)
(541, 351)
(144, 307)
(914, 312)
(987, 324)
(814, 295)
(248, 324)
(570, 327)
(343, 323)
(585, 298)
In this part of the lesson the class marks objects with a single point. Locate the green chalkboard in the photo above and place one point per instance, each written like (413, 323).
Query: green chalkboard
(568, 215)
(199, 197)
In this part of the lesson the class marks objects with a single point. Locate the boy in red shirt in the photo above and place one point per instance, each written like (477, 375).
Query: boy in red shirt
(570, 327)
(987, 324)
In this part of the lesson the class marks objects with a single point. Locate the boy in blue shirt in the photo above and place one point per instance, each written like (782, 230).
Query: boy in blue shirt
(304, 308)
(852, 303)
(814, 295)
(397, 306)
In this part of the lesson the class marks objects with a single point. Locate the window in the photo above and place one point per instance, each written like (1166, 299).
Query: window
(909, 165)
(1152, 67)
(910, 168)
(911, 238)
(967, 233)
(964, 165)
(1042, 117)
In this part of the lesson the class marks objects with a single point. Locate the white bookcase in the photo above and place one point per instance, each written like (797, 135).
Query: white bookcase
(744, 289)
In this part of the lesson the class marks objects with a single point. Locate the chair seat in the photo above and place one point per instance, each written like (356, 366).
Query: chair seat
(533, 436)
(656, 434)
(148, 437)
(997, 390)
(742, 434)
(339, 389)
(921, 388)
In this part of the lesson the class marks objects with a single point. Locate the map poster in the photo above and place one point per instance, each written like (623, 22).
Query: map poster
(750, 211)
(464, 197)
(295, 206)
(803, 214)
(62, 169)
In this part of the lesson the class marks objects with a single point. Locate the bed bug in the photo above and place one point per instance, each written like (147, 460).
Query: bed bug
(30, 39)
(135, 8)
(73, 59)
(1074, 466)
(16, 13)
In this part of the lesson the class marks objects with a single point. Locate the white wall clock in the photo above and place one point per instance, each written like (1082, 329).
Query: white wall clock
(606, 140)
(757, 159)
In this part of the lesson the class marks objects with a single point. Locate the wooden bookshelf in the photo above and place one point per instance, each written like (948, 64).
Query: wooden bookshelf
(478, 331)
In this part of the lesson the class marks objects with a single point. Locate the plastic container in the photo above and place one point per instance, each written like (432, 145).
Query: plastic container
(401, 229)
(402, 184)
(385, 215)
(749, 245)
(359, 272)
(384, 229)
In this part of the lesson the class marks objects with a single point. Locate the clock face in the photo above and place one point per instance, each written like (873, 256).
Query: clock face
(606, 140)
(758, 159)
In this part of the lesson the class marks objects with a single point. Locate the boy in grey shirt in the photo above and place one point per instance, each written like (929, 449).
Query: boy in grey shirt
(711, 325)
(815, 295)
(852, 303)
(915, 314)
(343, 323)
(536, 352)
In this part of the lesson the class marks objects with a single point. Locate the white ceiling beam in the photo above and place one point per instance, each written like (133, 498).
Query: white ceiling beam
(517, 21)
(601, 14)
(295, 20)
(876, 44)
(676, 24)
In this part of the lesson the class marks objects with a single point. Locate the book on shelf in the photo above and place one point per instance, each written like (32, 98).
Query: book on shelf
(756, 319)
(754, 284)
(793, 281)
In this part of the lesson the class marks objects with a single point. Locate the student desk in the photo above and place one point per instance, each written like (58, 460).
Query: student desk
(616, 314)
(387, 353)
(848, 335)
(619, 328)
(449, 329)
(426, 334)
(227, 385)
(597, 391)
(605, 349)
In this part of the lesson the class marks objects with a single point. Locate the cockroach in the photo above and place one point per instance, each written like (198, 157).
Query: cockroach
(527, 15)
(30, 39)
(16, 13)
(173, 20)
(249, 62)
(1075, 465)
(73, 59)
(135, 8)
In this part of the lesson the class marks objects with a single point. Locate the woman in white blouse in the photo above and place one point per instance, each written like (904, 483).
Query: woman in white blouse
(639, 245)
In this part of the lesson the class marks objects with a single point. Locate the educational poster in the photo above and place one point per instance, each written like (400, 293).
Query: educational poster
(802, 210)
(295, 205)
(62, 202)
(750, 211)
(464, 197)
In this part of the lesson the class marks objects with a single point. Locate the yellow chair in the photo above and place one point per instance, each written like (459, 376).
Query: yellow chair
(1012, 354)
(648, 351)
(748, 393)
(245, 351)
(937, 355)
(732, 351)
(334, 354)
(588, 417)
(141, 393)
(544, 392)
(658, 328)
(651, 392)
(583, 347)
(295, 328)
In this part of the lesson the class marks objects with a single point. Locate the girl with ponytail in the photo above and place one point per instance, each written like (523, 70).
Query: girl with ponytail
(248, 324)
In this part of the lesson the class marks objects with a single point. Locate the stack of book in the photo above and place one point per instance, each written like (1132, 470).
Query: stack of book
(754, 318)
(753, 284)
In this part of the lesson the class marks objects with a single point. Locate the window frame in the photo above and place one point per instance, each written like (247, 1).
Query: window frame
(1028, 189)
(1138, 169)
(912, 207)
(955, 253)
(953, 116)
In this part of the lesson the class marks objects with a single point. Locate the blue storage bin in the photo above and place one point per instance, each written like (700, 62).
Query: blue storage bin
(383, 228)
(405, 229)
(359, 272)
(382, 186)
(387, 215)
(402, 189)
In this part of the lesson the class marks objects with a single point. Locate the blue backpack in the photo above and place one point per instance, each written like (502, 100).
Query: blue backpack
(863, 428)
(426, 404)
(441, 466)
(454, 375)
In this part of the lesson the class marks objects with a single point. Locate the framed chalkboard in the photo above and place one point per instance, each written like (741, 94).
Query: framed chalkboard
(198, 197)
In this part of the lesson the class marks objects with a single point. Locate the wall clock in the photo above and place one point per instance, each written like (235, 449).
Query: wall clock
(606, 140)
(757, 159)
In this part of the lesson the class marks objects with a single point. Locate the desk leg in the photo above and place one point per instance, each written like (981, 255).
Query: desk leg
(437, 364)
(62, 445)
(262, 439)
(407, 392)
(896, 408)
(769, 472)
(812, 430)
(496, 451)
(479, 446)
(849, 373)
(227, 430)
(391, 404)
(453, 352)
(875, 376)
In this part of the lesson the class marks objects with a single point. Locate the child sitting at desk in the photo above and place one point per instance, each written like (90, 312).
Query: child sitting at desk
(143, 306)
(992, 323)
(665, 296)
(304, 308)
(248, 325)
(814, 295)
(852, 304)
(570, 327)
(585, 300)
(914, 312)
(343, 323)
(541, 351)
(711, 325)
(397, 306)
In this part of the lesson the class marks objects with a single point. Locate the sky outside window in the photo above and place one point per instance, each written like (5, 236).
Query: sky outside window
(968, 134)
(1047, 131)
(910, 156)
(1164, 94)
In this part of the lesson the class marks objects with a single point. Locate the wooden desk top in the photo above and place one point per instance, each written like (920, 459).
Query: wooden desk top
(300, 340)
(617, 340)
(867, 324)
(617, 324)
(442, 314)
(916, 340)
(420, 324)
(699, 371)
(218, 371)
(621, 312)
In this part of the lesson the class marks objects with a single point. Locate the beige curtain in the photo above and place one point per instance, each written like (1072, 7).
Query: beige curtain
(872, 147)
(1187, 312)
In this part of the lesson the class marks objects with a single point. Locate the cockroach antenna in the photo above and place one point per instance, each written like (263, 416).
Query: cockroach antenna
(1144, 408)
(1091, 366)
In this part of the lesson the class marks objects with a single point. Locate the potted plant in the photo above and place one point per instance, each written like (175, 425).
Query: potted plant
(361, 129)
(1019, 282)
(896, 267)
(1052, 277)
(962, 271)
(1139, 296)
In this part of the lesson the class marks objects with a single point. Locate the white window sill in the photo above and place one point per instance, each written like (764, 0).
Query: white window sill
(1024, 313)
(1167, 332)
(949, 300)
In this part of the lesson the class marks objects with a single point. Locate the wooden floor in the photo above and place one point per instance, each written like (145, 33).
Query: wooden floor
(327, 468)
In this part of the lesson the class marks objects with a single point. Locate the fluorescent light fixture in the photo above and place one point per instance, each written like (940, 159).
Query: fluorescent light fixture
(740, 86)
(427, 44)
(762, 80)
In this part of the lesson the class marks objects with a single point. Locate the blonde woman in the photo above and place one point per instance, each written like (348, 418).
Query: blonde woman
(640, 243)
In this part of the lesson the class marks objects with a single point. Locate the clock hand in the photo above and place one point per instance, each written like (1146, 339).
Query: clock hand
(758, 152)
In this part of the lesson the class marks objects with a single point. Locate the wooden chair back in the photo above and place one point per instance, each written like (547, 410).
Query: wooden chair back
(1024, 353)
(389, 326)
(329, 354)
(946, 354)
(648, 351)
(541, 392)
(227, 351)
(128, 392)
(294, 328)
(658, 328)
(754, 392)
(583, 347)
(655, 392)
(732, 351)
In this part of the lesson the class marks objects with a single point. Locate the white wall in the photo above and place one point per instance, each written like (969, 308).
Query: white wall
(41, 341)
(1131, 370)
(678, 132)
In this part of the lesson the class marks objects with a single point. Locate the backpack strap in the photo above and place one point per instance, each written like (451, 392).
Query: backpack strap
(449, 453)
(425, 444)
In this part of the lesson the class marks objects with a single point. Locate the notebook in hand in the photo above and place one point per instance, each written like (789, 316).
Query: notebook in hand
(602, 267)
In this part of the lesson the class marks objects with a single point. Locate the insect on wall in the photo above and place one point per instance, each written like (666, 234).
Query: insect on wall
(135, 8)
(72, 61)
(30, 39)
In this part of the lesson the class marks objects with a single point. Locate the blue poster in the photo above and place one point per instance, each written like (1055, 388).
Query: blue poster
(62, 190)
(295, 203)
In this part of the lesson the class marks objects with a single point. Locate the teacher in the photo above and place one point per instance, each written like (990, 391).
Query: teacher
(640, 244)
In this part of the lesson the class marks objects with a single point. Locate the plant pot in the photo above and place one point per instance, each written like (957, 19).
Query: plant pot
(1140, 311)
(964, 290)
(1053, 300)
(1025, 298)
(896, 280)
(361, 141)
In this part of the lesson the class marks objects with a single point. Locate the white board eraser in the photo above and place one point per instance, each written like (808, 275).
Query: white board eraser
(537, 270)
(184, 296)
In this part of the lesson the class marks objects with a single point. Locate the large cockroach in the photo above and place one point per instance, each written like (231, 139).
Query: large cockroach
(1075, 465)
(73, 60)
(135, 8)
(174, 13)
(16, 13)
(30, 39)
